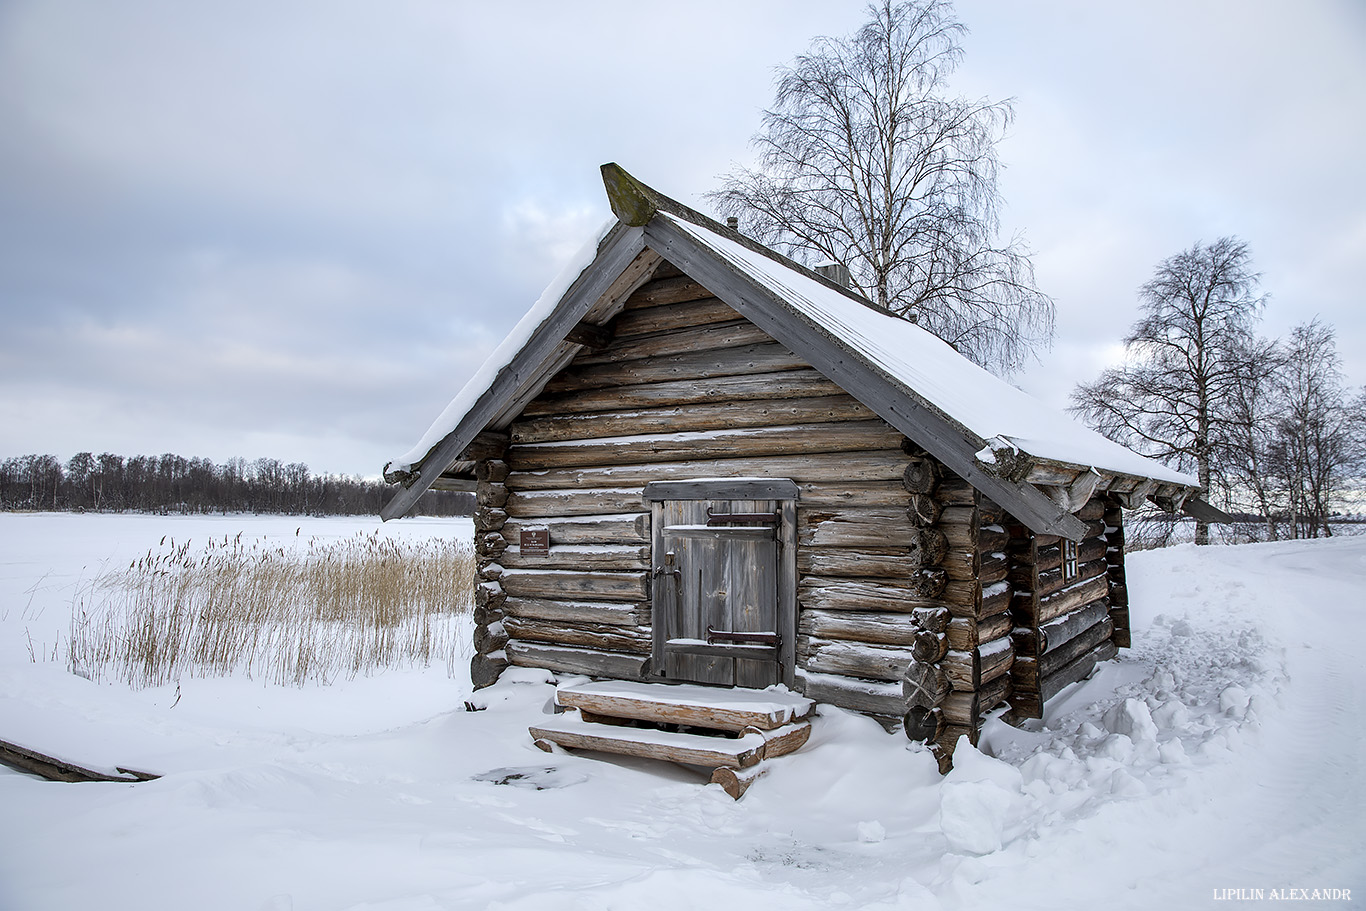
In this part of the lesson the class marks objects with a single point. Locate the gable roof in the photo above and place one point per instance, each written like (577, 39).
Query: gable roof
(984, 429)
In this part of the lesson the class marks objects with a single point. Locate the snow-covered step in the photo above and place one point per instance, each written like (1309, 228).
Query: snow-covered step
(750, 748)
(697, 706)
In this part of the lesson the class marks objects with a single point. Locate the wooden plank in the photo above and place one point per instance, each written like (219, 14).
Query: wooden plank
(571, 585)
(606, 557)
(1061, 630)
(851, 436)
(873, 627)
(661, 291)
(53, 769)
(766, 357)
(684, 314)
(792, 383)
(850, 659)
(706, 707)
(787, 589)
(716, 337)
(610, 638)
(613, 613)
(818, 593)
(693, 749)
(1077, 670)
(805, 468)
(614, 529)
(591, 336)
(722, 489)
(596, 501)
(1056, 605)
(565, 660)
(871, 697)
(455, 485)
(611, 274)
(891, 563)
(856, 528)
(744, 651)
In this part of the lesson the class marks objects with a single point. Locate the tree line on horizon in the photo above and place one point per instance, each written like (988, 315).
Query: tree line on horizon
(171, 483)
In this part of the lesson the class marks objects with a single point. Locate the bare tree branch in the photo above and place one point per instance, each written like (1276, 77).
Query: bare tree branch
(864, 160)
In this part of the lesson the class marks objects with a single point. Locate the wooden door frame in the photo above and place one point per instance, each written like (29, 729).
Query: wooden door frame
(781, 490)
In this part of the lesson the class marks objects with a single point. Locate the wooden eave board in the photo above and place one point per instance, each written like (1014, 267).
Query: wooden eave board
(703, 706)
(569, 730)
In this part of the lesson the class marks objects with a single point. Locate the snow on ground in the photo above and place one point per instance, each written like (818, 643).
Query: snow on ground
(1222, 752)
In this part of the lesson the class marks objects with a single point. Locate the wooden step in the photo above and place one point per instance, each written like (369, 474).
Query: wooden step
(751, 748)
(716, 708)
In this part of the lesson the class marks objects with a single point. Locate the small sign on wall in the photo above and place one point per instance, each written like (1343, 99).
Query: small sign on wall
(535, 541)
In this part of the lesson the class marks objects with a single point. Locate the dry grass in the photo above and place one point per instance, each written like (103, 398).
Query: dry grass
(316, 614)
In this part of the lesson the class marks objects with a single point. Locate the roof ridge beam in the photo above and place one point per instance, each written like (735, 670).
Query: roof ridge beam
(635, 203)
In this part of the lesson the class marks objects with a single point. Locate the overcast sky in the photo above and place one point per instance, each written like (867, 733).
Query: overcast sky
(294, 229)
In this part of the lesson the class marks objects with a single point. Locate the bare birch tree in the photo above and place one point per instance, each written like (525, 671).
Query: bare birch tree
(864, 159)
(1254, 411)
(1316, 448)
(1174, 398)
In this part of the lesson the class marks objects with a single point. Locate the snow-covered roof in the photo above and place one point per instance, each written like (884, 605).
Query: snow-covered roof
(962, 414)
(923, 364)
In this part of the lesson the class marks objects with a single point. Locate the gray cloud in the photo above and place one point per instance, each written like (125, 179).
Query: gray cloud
(296, 229)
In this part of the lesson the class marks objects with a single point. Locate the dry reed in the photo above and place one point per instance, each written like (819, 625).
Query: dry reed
(289, 616)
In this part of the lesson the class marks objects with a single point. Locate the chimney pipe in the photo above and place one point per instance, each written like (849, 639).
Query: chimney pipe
(837, 273)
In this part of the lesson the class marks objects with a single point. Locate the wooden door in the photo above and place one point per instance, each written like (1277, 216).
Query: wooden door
(716, 592)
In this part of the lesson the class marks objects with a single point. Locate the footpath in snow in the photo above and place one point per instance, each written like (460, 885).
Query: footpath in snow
(1220, 756)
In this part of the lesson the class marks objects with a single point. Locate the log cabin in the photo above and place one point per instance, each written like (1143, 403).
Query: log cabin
(696, 461)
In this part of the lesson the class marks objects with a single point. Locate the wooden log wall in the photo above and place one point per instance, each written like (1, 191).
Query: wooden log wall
(686, 388)
(490, 544)
(1063, 626)
(1114, 560)
(950, 692)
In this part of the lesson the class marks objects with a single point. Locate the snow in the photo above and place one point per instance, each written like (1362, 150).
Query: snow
(920, 362)
(503, 355)
(1221, 752)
